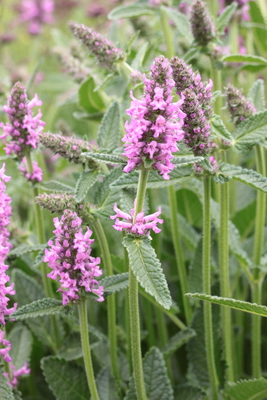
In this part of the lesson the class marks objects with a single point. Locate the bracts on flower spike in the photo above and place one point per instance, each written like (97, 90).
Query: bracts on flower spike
(239, 107)
(154, 130)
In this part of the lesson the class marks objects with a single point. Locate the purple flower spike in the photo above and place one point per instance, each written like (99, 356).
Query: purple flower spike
(201, 24)
(21, 133)
(70, 260)
(154, 131)
(142, 225)
(35, 176)
(239, 107)
(36, 13)
(24, 370)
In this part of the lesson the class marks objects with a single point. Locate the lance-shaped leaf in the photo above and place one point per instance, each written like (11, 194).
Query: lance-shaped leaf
(251, 308)
(178, 175)
(5, 389)
(90, 100)
(181, 22)
(254, 389)
(106, 385)
(243, 58)
(139, 58)
(108, 136)
(247, 176)
(256, 95)
(251, 131)
(225, 17)
(115, 283)
(219, 129)
(39, 308)
(147, 269)
(84, 183)
(21, 341)
(66, 380)
(183, 161)
(24, 249)
(55, 186)
(157, 383)
(106, 158)
(178, 340)
(130, 10)
(187, 392)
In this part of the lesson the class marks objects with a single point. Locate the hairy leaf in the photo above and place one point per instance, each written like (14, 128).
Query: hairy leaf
(247, 176)
(178, 340)
(106, 158)
(254, 389)
(90, 100)
(115, 283)
(251, 308)
(251, 131)
(130, 10)
(55, 186)
(39, 308)
(25, 248)
(21, 341)
(139, 58)
(187, 392)
(256, 95)
(106, 385)
(239, 58)
(147, 269)
(184, 161)
(108, 136)
(219, 129)
(181, 22)
(84, 183)
(225, 17)
(5, 388)
(66, 380)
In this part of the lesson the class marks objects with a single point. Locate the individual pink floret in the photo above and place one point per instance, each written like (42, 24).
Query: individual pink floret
(35, 176)
(143, 224)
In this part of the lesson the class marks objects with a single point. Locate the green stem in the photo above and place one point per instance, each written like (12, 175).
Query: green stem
(148, 312)
(167, 33)
(86, 349)
(133, 302)
(179, 252)
(257, 253)
(216, 77)
(111, 303)
(226, 316)
(206, 271)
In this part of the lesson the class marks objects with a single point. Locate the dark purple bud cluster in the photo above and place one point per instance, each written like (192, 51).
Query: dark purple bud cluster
(201, 24)
(239, 107)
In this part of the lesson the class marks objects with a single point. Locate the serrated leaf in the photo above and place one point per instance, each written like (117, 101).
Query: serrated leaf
(187, 392)
(147, 269)
(106, 385)
(224, 18)
(157, 383)
(25, 248)
(178, 340)
(108, 135)
(115, 283)
(5, 388)
(90, 100)
(219, 129)
(178, 175)
(254, 389)
(106, 158)
(21, 341)
(139, 58)
(39, 308)
(55, 186)
(84, 183)
(251, 131)
(38, 259)
(247, 176)
(256, 95)
(66, 380)
(239, 58)
(129, 11)
(181, 22)
(182, 161)
(245, 306)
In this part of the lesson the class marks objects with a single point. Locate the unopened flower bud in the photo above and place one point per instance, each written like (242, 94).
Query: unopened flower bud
(239, 107)
(201, 24)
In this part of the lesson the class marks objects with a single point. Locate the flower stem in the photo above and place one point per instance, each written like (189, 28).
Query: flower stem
(86, 349)
(111, 303)
(179, 253)
(167, 33)
(206, 271)
(257, 252)
(133, 302)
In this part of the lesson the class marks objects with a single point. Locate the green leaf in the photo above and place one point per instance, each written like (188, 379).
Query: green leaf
(90, 100)
(130, 10)
(182, 161)
(256, 95)
(178, 340)
(139, 58)
(251, 308)
(192, 53)
(106, 158)
(5, 388)
(181, 22)
(104, 82)
(247, 176)
(106, 385)
(194, 278)
(38, 259)
(115, 283)
(84, 183)
(108, 136)
(24, 249)
(66, 380)
(186, 392)
(131, 42)
(251, 131)
(39, 308)
(55, 186)
(224, 18)
(21, 341)
(219, 129)
(157, 383)
(147, 269)
(254, 389)
(239, 58)
(178, 175)
(257, 18)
